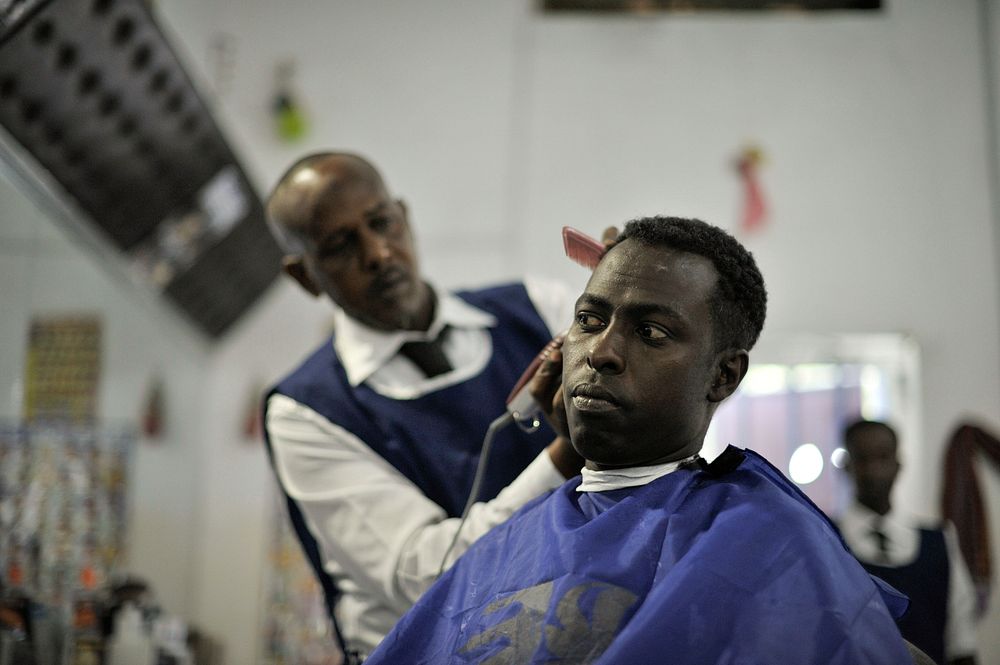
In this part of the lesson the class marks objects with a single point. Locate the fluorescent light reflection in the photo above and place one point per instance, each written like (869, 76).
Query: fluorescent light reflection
(765, 380)
(806, 464)
(838, 458)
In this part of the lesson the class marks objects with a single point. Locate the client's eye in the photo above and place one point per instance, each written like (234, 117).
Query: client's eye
(588, 321)
(653, 332)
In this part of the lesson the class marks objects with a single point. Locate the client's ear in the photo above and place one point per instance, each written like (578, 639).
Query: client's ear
(730, 368)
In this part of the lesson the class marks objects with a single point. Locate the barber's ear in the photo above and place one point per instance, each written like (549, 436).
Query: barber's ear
(730, 368)
(295, 268)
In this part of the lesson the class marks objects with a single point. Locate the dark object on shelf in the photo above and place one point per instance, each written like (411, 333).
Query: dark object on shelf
(645, 6)
(93, 91)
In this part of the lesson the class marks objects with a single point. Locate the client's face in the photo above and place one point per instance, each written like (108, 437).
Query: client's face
(638, 361)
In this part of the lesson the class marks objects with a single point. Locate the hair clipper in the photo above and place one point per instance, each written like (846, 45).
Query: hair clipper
(586, 251)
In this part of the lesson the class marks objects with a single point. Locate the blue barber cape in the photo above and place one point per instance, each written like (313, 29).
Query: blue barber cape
(727, 564)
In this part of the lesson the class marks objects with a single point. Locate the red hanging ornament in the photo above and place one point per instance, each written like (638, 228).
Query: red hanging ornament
(152, 415)
(253, 416)
(754, 205)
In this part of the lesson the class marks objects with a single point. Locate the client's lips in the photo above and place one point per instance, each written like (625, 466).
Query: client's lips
(593, 398)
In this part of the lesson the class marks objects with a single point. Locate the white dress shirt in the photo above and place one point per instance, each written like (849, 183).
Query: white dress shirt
(381, 539)
(902, 544)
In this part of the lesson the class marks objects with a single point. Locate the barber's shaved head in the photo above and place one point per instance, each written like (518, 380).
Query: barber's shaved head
(345, 236)
(297, 199)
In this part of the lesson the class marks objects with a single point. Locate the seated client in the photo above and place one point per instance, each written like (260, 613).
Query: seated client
(654, 555)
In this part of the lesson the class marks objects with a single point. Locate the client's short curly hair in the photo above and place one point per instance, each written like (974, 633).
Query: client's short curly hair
(740, 303)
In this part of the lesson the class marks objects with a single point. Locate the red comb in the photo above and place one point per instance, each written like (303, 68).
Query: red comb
(586, 251)
(581, 248)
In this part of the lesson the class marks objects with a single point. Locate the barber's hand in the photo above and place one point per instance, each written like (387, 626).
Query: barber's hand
(546, 387)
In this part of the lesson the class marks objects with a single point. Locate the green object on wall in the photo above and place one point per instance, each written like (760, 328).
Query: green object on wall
(291, 122)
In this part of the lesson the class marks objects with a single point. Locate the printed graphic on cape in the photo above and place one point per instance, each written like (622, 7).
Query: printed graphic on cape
(566, 619)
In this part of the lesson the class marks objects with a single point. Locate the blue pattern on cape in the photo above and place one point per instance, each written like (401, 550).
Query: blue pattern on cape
(729, 564)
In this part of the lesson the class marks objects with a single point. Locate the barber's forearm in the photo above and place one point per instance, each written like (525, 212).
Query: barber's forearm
(420, 560)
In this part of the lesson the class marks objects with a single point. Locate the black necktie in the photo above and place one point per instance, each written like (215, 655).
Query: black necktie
(428, 356)
(882, 541)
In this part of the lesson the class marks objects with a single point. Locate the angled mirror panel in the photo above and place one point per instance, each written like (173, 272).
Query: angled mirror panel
(95, 95)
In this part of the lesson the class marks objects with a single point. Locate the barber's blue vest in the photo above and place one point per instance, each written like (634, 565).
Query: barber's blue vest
(925, 581)
(434, 440)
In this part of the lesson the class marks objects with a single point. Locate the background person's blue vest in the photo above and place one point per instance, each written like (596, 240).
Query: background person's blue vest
(434, 440)
(925, 581)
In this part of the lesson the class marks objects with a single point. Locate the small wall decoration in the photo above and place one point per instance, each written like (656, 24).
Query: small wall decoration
(289, 116)
(253, 414)
(62, 370)
(152, 413)
(754, 210)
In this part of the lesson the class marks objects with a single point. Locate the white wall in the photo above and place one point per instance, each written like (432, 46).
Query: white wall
(43, 272)
(499, 125)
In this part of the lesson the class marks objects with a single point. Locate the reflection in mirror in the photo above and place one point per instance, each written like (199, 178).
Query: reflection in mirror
(802, 390)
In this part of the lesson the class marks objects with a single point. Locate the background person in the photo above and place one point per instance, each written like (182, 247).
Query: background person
(922, 561)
